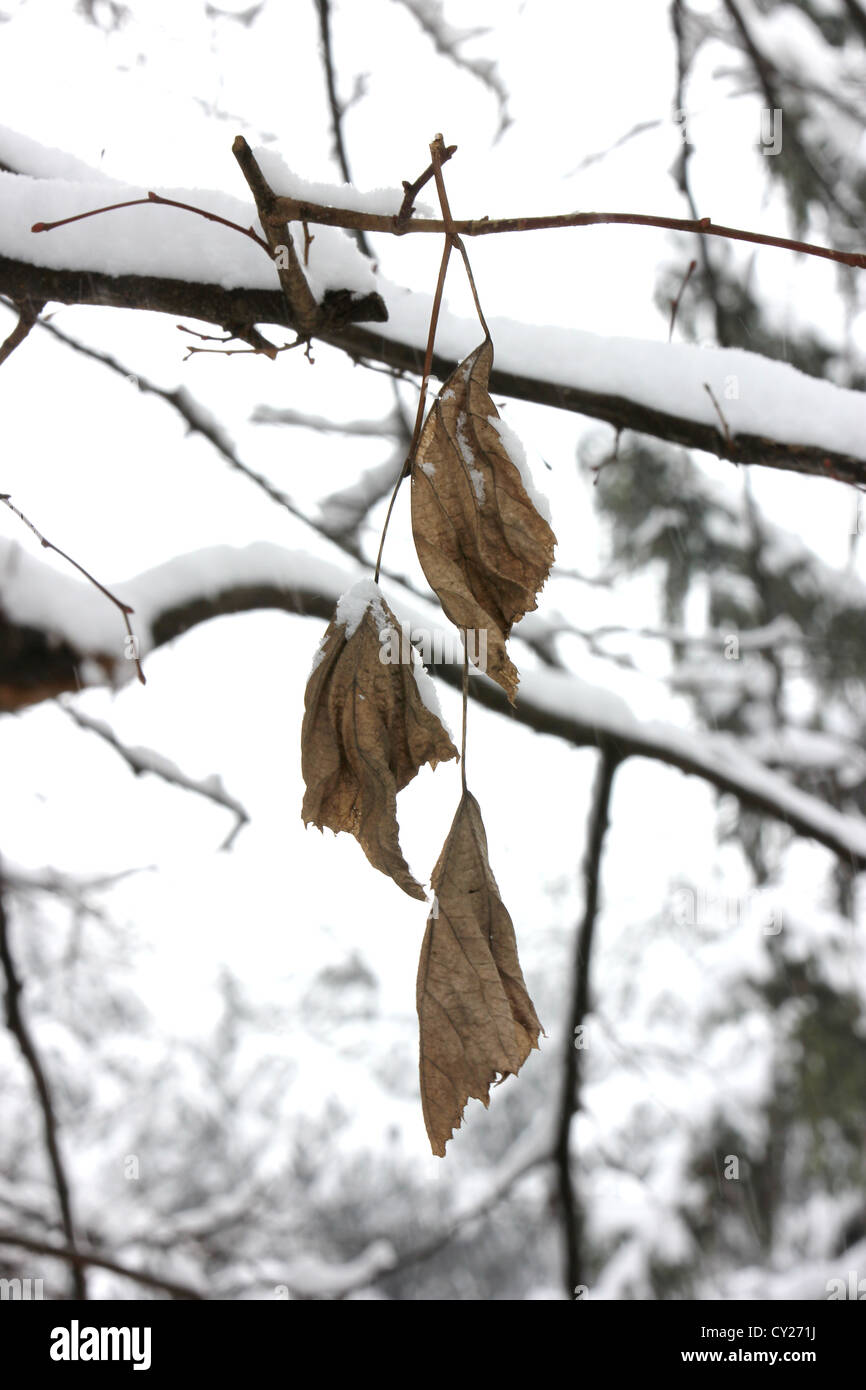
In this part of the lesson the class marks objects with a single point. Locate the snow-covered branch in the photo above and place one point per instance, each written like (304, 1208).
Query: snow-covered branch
(68, 634)
(161, 259)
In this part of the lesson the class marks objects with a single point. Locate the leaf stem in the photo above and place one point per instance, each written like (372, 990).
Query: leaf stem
(465, 707)
(439, 153)
(422, 398)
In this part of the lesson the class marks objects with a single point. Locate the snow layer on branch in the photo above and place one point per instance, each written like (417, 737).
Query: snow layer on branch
(758, 396)
(26, 156)
(285, 183)
(33, 593)
(160, 241)
(38, 595)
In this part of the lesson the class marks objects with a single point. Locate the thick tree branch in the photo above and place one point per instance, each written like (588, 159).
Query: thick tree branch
(569, 1200)
(340, 315)
(301, 300)
(229, 309)
(34, 665)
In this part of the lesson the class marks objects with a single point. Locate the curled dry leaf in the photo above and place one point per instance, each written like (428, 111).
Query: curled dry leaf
(369, 726)
(482, 541)
(476, 1017)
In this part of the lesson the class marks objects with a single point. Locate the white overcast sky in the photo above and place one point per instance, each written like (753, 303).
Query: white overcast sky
(111, 477)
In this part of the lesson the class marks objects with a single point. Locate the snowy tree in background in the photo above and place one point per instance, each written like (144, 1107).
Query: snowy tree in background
(210, 1065)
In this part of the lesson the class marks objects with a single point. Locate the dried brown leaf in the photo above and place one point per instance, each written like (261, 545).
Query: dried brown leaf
(476, 1017)
(483, 544)
(366, 732)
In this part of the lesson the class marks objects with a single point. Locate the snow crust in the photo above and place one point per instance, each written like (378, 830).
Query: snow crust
(758, 396)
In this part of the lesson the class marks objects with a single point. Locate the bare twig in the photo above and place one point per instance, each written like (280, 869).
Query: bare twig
(257, 341)
(447, 41)
(200, 421)
(675, 303)
(437, 150)
(79, 1258)
(276, 212)
(20, 1030)
(299, 210)
(767, 74)
(422, 400)
(143, 760)
(155, 198)
(123, 608)
(678, 23)
(323, 9)
(411, 191)
(569, 1103)
(725, 430)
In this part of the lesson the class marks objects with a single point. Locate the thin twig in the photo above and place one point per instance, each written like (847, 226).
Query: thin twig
(19, 1029)
(572, 1216)
(299, 210)
(257, 341)
(161, 202)
(78, 1258)
(437, 149)
(337, 111)
(411, 191)
(678, 23)
(766, 73)
(447, 40)
(123, 608)
(283, 210)
(199, 421)
(270, 351)
(727, 433)
(675, 303)
(142, 760)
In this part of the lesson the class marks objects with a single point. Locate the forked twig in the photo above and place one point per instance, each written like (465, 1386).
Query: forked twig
(124, 608)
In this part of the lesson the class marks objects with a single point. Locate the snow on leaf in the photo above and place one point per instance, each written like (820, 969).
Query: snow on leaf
(483, 545)
(366, 733)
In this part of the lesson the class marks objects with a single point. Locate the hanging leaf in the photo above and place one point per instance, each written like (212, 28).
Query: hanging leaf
(475, 1015)
(481, 538)
(370, 724)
